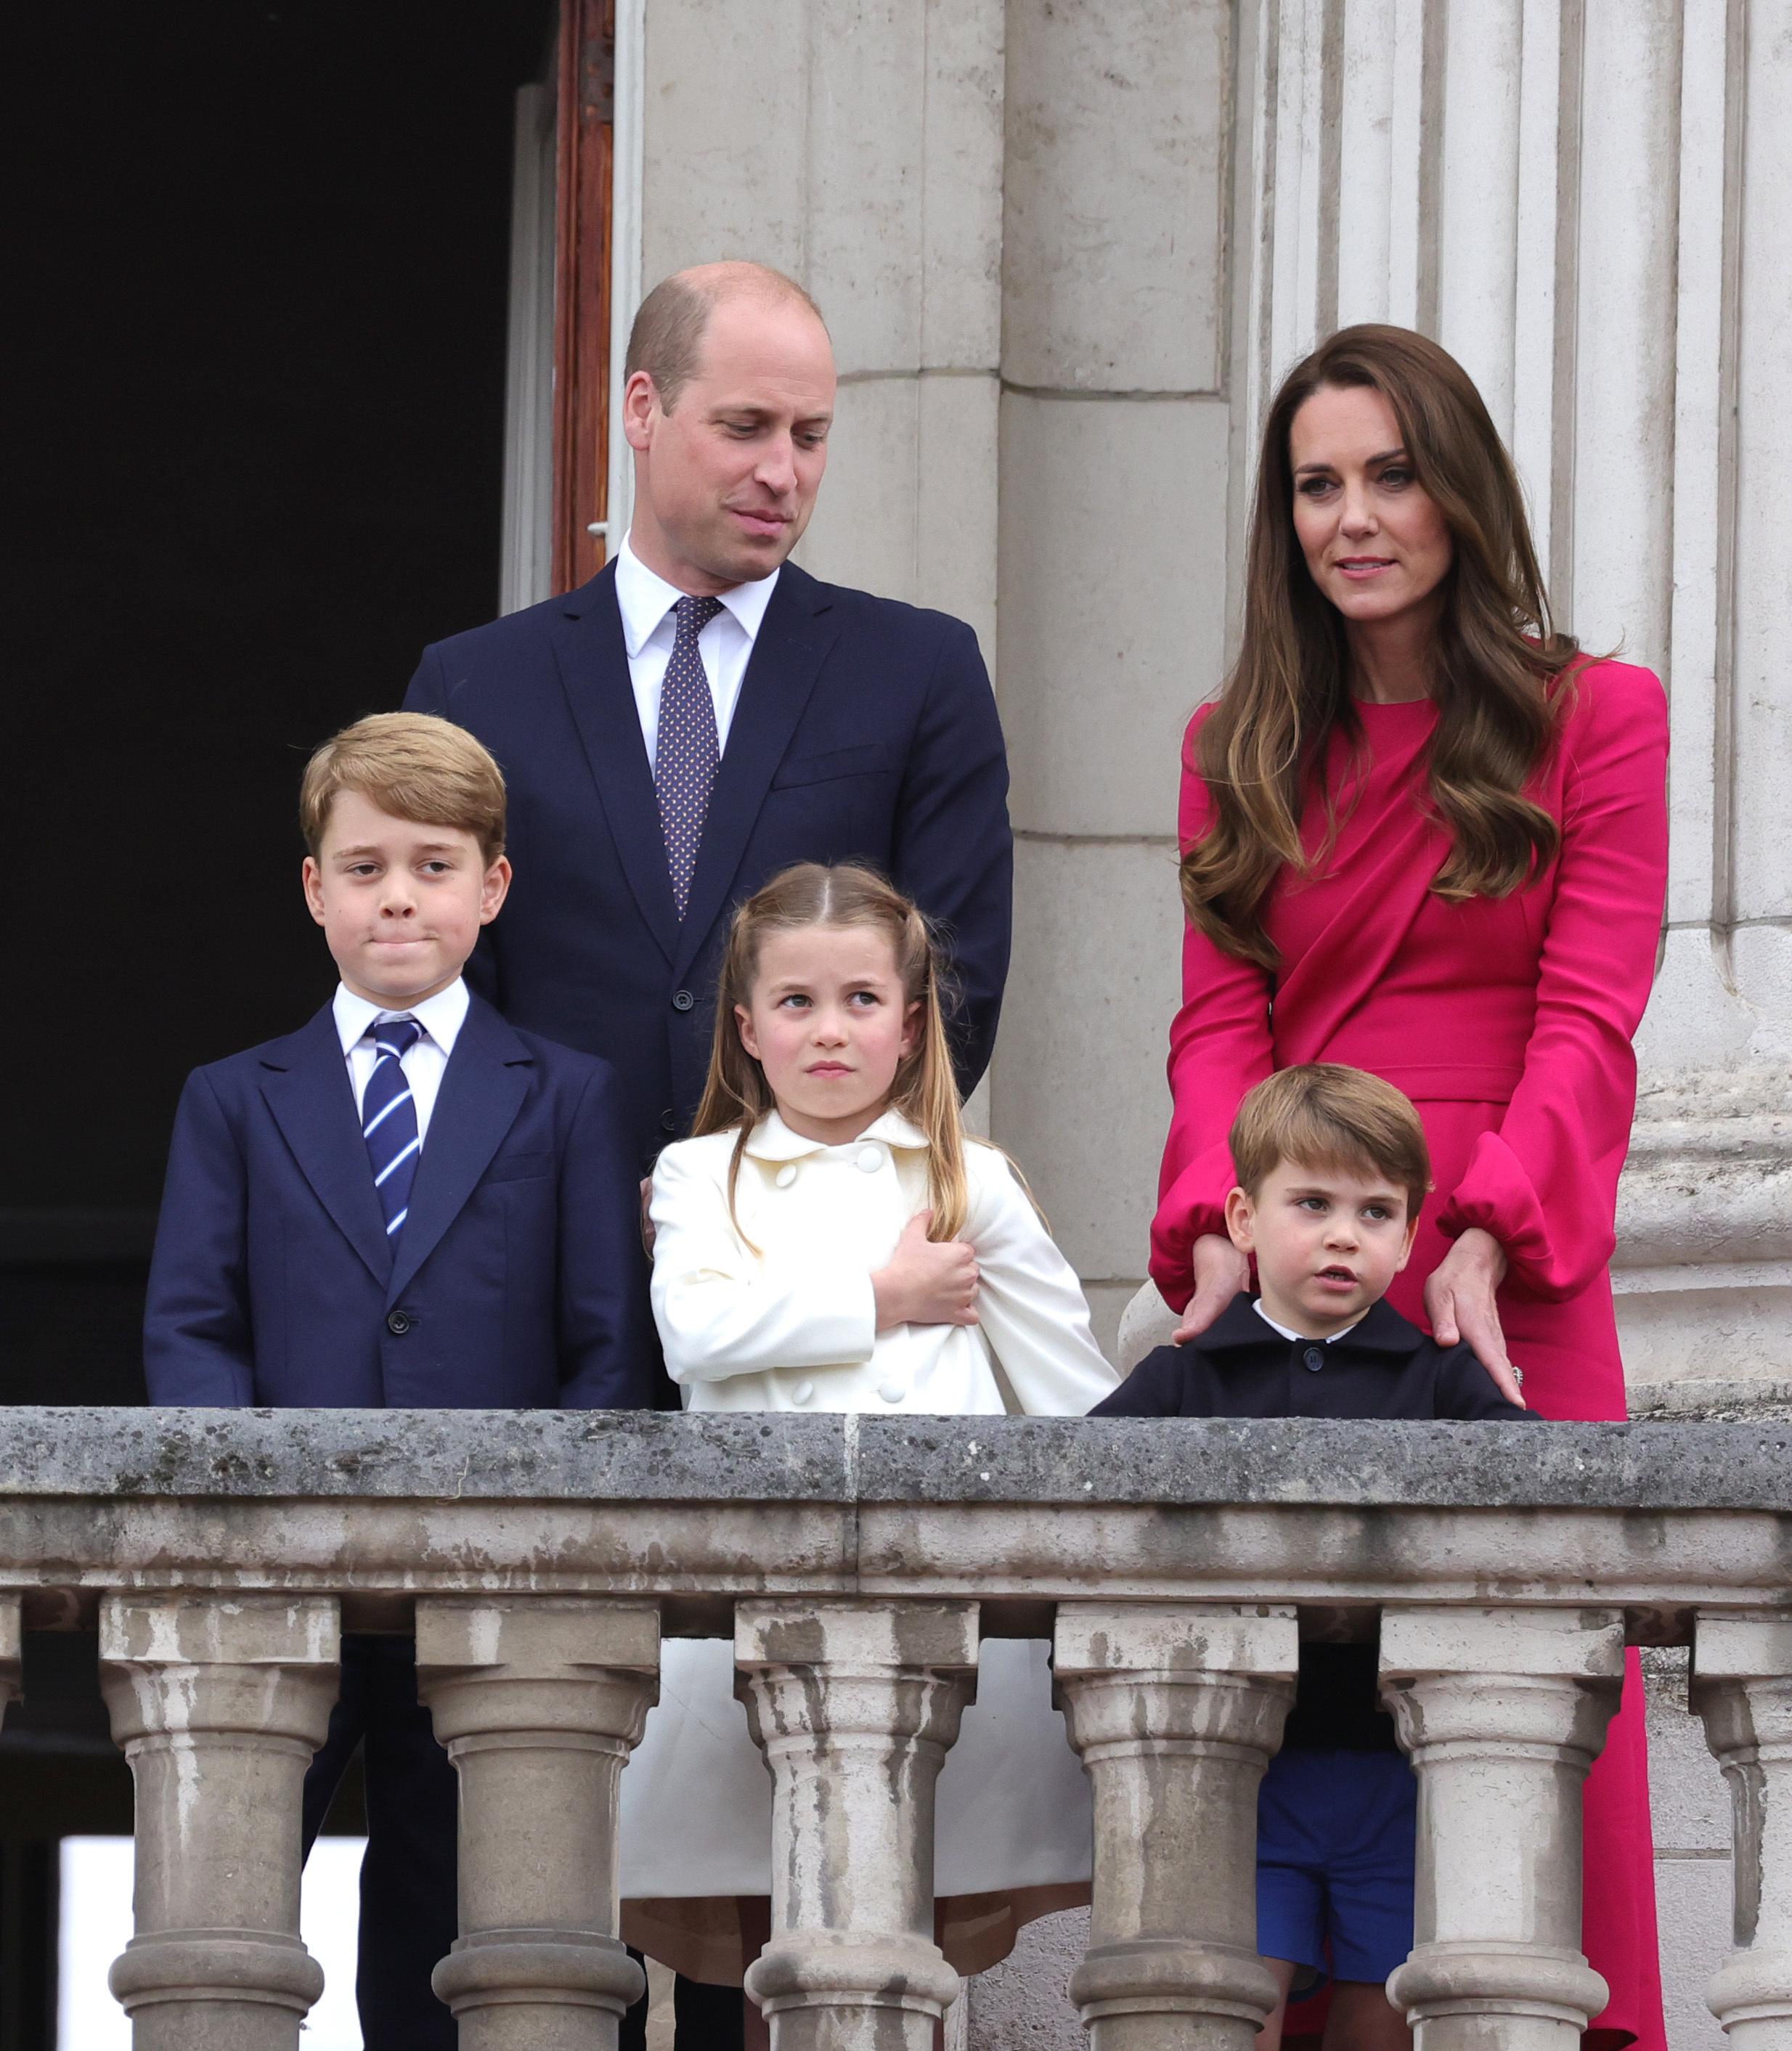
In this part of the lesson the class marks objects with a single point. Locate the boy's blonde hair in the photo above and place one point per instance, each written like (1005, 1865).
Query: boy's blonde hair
(414, 766)
(1323, 1115)
(737, 1096)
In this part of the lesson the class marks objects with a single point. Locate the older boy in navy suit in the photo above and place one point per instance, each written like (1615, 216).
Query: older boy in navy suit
(408, 1202)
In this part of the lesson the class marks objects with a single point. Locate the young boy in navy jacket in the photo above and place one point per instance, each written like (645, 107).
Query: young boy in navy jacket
(406, 1203)
(1332, 1168)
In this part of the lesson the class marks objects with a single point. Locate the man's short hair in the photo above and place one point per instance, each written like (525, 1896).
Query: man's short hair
(414, 766)
(1323, 1115)
(667, 340)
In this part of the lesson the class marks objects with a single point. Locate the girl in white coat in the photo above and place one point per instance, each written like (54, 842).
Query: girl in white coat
(831, 1240)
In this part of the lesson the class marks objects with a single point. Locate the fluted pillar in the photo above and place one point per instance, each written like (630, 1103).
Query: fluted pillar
(538, 1700)
(219, 1700)
(1741, 1687)
(1175, 1710)
(1502, 1711)
(855, 1705)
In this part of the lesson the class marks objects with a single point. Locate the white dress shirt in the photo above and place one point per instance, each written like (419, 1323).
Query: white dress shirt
(777, 1312)
(649, 628)
(441, 1017)
(1257, 1305)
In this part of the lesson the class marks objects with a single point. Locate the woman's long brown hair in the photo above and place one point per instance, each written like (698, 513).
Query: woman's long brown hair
(736, 1095)
(1497, 661)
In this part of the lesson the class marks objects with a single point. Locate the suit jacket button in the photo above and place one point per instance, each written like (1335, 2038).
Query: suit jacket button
(667, 1122)
(1314, 1357)
(786, 1175)
(683, 1001)
(871, 1158)
(398, 1323)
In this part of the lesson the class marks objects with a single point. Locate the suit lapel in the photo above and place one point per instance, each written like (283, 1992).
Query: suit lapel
(483, 1085)
(793, 643)
(594, 660)
(307, 1087)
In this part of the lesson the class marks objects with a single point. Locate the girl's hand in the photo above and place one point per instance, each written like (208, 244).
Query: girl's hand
(926, 1284)
(1460, 1302)
(1220, 1273)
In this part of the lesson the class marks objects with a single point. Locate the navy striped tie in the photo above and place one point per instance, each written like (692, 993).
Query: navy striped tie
(686, 750)
(388, 1120)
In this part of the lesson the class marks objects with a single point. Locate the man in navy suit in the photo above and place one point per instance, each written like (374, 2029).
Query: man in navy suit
(408, 1202)
(703, 714)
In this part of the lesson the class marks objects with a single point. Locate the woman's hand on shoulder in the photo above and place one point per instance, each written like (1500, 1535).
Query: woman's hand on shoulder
(1220, 1273)
(1462, 1303)
(926, 1283)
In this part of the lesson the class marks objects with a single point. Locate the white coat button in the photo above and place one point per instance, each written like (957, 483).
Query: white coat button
(786, 1175)
(802, 1393)
(893, 1392)
(871, 1159)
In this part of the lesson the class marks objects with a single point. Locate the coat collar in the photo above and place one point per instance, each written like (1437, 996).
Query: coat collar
(1382, 1330)
(306, 1085)
(772, 1140)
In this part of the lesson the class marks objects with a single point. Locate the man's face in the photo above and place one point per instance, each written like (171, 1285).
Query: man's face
(726, 482)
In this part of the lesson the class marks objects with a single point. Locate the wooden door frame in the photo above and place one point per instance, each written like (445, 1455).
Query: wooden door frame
(586, 159)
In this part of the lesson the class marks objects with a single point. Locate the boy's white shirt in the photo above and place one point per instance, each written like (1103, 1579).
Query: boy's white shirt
(1257, 1305)
(793, 1326)
(441, 1017)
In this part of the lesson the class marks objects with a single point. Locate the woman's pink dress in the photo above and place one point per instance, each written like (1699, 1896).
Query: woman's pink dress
(1508, 1022)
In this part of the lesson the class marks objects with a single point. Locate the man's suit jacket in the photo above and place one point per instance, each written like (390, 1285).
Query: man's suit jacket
(517, 1282)
(865, 729)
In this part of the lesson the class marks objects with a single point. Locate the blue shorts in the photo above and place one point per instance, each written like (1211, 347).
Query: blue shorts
(1335, 1837)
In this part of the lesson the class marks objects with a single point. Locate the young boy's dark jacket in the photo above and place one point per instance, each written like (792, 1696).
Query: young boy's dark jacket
(518, 1282)
(1241, 1366)
(1383, 1367)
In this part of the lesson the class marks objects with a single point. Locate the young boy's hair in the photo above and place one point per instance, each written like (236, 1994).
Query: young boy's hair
(848, 894)
(1323, 1114)
(414, 766)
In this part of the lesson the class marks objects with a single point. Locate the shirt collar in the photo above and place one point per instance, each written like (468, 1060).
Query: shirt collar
(441, 1016)
(644, 598)
(1381, 1329)
(1257, 1305)
(772, 1140)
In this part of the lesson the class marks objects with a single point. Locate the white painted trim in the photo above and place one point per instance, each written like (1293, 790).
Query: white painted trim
(628, 177)
(526, 554)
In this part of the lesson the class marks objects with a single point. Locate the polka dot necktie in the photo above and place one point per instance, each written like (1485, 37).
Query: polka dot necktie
(687, 750)
(389, 1119)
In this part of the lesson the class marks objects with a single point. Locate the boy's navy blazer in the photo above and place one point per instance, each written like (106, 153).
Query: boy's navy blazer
(517, 1281)
(865, 729)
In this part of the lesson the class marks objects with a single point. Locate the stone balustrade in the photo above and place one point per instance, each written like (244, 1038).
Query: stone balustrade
(857, 1564)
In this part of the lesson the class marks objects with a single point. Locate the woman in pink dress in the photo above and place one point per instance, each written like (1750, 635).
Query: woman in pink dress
(1424, 835)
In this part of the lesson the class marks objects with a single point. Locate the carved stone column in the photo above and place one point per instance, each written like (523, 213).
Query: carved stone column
(1502, 1711)
(1741, 1687)
(855, 1705)
(1175, 1710)
(539, 1700)
(219, 1700)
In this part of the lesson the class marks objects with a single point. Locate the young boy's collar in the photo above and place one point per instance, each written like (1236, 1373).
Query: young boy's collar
(1381, 1329)
(441, 1016)
(1288, 1333)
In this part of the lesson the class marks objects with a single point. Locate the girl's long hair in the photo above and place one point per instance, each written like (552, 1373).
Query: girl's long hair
(736, 1095)
(1497, 660)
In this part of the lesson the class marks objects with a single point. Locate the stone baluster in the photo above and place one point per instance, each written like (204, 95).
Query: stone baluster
(1502, 1711)
(12, 1646)
(855, 1705)
(219, 1700)
(1741, 1687)
(538, 1700)
(1175, 1710)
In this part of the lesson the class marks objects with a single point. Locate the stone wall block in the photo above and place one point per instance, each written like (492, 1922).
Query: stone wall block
(1113, 247)
(1742, 1688)
(539, 1701)
(1502, 1713)
(1175, 1710)
(855, 1705)
(219, 1702)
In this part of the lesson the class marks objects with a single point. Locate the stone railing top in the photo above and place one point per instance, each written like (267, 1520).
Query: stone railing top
(597, 1456)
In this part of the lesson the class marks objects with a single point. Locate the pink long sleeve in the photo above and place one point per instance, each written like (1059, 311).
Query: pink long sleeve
(1545, 1183)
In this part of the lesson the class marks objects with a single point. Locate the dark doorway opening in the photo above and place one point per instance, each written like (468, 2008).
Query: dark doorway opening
(256, 260)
